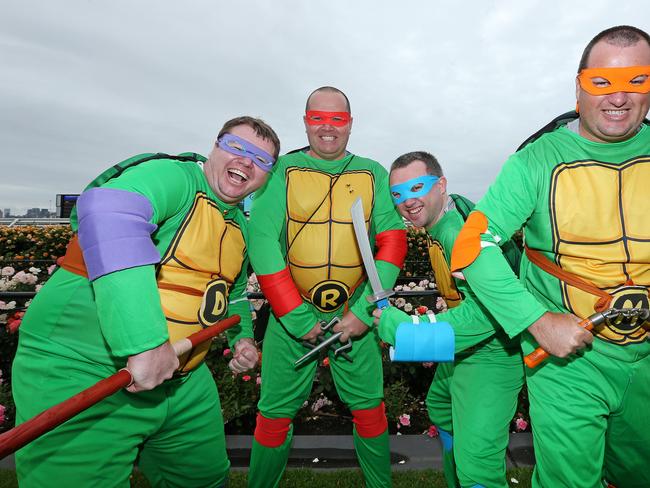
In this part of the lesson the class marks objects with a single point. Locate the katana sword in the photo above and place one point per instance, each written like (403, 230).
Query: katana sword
(379, 296)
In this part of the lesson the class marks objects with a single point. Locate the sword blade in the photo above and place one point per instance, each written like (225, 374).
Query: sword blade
(359, 223)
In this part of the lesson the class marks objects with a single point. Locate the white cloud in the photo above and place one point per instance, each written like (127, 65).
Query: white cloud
(88, 83)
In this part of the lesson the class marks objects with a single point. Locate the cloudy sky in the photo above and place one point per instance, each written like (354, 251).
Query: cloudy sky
(88, 83)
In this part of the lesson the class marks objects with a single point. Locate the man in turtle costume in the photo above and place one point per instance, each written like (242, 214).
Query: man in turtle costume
(472, 399)
(580, 191)
(159, 252)
(308, 265)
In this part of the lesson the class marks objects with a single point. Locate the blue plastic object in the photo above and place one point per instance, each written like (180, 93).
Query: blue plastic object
(427, 342)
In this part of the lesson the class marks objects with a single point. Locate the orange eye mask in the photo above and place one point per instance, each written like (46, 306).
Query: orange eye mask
(337, 119)
(603, 81)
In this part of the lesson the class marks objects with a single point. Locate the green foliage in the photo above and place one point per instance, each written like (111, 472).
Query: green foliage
(33, 242)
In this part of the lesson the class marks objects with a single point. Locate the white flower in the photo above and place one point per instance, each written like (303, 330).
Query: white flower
(398, 288)
(34, 270)
(400, 302)
(7, 271)
(408, 307)
(8, 305)
(423, 283)
(25, 278)
(412, 285)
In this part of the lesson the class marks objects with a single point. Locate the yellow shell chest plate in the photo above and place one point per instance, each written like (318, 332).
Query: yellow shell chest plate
(197, 271)
(601, 232)
(444, 281)
(321, 247)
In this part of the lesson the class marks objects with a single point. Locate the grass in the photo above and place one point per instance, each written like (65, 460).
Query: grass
(345, 478)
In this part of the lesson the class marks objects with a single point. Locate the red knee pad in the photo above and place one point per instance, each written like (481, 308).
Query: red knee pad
(370, 422)
(271, 432)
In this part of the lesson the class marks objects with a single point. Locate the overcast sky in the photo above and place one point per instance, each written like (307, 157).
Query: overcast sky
(85, 84)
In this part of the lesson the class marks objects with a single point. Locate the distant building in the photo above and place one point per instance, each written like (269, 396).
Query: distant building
(7, 213)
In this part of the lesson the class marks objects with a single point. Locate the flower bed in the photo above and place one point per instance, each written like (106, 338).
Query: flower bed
(27, 259)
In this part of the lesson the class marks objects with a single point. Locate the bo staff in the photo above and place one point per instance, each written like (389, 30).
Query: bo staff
(35, 427)
(538, 355)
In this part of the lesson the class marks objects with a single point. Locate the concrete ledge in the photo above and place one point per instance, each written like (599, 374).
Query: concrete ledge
(337, 452)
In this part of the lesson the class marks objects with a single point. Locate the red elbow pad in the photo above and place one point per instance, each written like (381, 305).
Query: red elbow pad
(280, 290)
(392, 247)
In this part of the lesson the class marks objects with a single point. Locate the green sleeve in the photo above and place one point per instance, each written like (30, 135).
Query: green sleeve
(384, 218)
(266, 226)
(128, 302)
(470, 321)
(508, 204)
(464, 337)
(238, 304)
(129, 310)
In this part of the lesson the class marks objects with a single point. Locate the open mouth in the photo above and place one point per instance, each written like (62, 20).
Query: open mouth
(615, 114)
(327, 138)
(414, 211)
(237, 176)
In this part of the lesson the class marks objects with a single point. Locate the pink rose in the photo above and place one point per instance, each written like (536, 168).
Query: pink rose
(226, 352)
(2, 414)
(521, 424)
(326, 362)
(246, 377)
(433, 431)
(50, 269)
(405, 419)
(258, 380)
(428, 365)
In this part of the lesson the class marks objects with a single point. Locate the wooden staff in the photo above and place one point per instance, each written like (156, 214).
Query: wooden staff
(35, 427)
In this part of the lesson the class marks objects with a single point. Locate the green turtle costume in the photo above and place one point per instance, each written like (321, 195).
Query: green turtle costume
(584, 209)
(157, 257)
(473, 399)
(308, 265)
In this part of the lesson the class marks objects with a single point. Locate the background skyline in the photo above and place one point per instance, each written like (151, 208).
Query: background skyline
(87, 84)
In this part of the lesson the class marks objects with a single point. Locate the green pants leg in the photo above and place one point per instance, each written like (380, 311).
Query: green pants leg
(438, 404)
(584, 407)
(100, 445)
(627, 448)
(361, 387)
(479, 394)
(285, 389)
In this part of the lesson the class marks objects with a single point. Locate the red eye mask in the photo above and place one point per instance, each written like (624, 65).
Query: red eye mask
(603, 81)
(337, 119)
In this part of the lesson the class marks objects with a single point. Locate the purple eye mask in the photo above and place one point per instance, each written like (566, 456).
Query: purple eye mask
(241, 147)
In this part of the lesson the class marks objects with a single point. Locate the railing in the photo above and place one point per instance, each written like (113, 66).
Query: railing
(17, 221)
(255, 295)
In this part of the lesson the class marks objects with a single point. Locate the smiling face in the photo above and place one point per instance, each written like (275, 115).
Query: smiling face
(426, 210)
(328, 141)
(616, 116)
(233, 177)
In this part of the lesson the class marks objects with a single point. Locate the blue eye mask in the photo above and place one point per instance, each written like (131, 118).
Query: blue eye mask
(404, 191)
